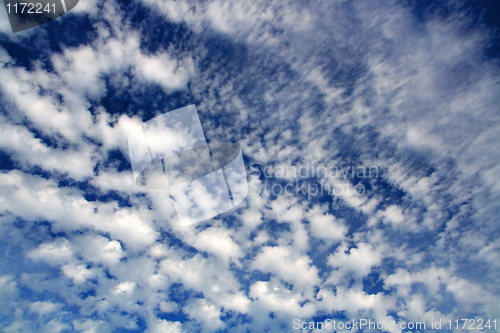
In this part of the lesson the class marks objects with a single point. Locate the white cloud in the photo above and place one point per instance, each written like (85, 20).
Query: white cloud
(164, 326)
(90, 326)
(168, 307)
(276, 297)
(34, 197)
(54, 253)
(218, 242)
(165, 71)
(205, 313)
(78, 273)
(124, 288)
(43, 308)
(282, 262)
(99, 249)
(324, 225)
(55, 326)
(358, 260)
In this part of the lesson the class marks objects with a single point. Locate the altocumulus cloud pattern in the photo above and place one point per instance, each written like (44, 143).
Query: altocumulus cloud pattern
(392, 104)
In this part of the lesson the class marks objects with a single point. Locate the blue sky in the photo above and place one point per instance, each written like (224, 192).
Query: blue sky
(410, 89)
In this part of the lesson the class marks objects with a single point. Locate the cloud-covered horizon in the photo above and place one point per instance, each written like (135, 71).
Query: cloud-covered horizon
(411, 91)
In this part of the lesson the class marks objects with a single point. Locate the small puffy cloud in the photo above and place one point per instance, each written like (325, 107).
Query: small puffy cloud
(125, 288)
(168, 307)
(55, 253)
(277, 297)
(99, 249)
(287, 265)
(55, 326)
(393, 214)
(218, 242)
(42, 308)
(205, 313)
(161, 69)
(78, 273)
(164, 326)
(7, 284)
(325, 225)
(359, 260)
(353, 301)
(395, 217)
(90, 326)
